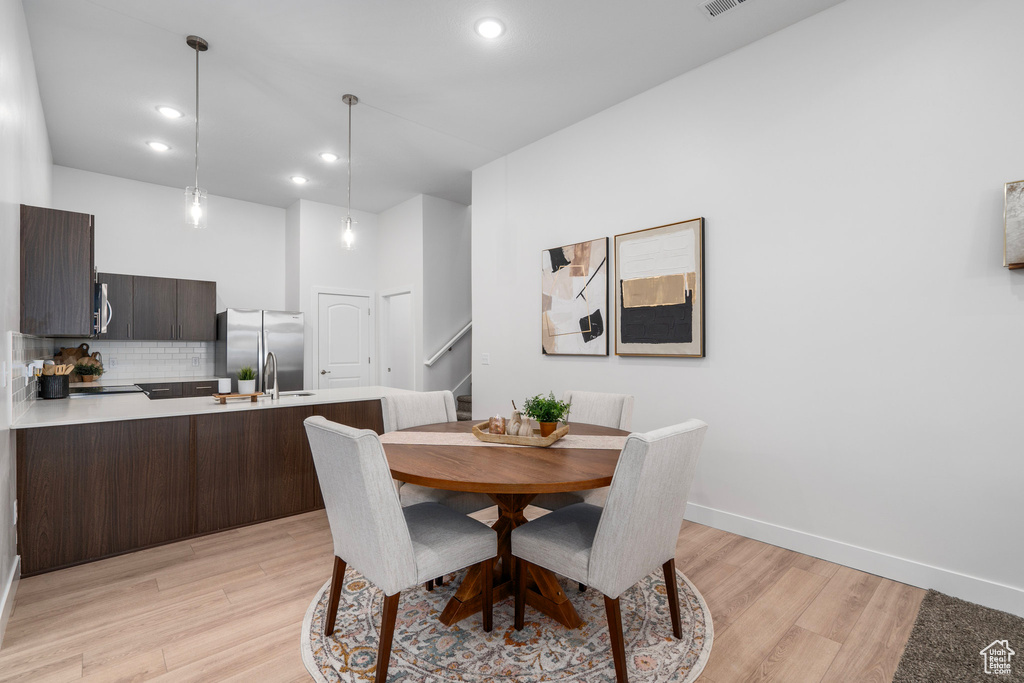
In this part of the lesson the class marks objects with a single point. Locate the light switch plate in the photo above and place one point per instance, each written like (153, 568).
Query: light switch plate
(485, 358)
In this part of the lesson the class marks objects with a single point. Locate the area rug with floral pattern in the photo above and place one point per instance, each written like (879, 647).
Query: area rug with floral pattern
(425, 650)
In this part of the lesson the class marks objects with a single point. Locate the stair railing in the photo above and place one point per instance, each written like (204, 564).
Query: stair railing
(448, 347)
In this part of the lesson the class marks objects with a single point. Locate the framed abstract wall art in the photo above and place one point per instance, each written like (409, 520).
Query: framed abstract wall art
(1013, 225)
(574, 299)
(659, 291)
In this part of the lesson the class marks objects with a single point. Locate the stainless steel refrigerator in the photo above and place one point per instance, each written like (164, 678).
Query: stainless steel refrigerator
(245, 336)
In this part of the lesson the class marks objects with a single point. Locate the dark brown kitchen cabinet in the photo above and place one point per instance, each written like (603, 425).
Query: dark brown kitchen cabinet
(205, 388)
(252, 466)
(57, 274)
(197, 310)
(96, 490)
(155, 306)
(158, 390)
(120, 294)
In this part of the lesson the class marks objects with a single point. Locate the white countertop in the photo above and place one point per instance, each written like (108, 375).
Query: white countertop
(107, 382)
(111, 408)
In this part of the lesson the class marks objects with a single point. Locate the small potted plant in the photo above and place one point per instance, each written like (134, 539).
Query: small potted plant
(246, 380)
(88, 369)
(546, 411)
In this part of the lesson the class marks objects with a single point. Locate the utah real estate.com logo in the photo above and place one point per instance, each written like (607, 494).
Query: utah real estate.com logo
(997, 658)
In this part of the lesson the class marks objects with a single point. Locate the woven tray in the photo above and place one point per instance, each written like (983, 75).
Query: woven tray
(537, 441)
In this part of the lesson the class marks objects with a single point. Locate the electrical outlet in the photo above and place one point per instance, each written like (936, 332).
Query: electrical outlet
(112, 362)
(195, 361)
(485, 358)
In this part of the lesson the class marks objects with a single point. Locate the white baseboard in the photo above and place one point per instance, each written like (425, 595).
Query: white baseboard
(7, 600)
(971, 588)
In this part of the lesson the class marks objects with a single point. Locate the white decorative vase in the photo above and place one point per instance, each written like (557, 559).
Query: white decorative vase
(247, 386)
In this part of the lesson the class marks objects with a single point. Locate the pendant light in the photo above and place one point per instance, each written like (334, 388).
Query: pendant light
(195, 197)
(348, 237)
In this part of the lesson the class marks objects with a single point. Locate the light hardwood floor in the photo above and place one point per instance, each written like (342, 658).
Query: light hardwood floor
(228, 607)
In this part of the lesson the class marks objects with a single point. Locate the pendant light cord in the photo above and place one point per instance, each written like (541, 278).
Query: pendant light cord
(197, 117)
(349, 202)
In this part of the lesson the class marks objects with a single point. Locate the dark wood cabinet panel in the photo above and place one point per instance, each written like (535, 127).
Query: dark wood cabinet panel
(56, 272)
(252, 466)
(358, 414)
(197, 310)
(155, 307)
(158, 390)
(191, 389)
(96, 490)
(91, 491)
(120, 294)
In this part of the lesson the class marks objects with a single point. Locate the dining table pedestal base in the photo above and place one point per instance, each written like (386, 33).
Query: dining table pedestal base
(543, 592)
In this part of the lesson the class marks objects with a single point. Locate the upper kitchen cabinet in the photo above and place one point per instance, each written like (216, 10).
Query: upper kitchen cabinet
(197, 310)
(155, 306)
(56, 272)
(121, 297)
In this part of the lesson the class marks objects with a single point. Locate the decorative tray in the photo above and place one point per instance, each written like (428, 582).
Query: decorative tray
(223, 398)
(537, 441)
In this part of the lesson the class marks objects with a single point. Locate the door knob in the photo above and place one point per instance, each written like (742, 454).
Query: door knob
(323, 372)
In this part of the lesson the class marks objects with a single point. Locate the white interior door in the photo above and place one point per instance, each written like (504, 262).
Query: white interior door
(344, 340)
(396, 366)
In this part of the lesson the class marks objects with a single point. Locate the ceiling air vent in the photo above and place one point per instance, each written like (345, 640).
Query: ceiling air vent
(716, 8)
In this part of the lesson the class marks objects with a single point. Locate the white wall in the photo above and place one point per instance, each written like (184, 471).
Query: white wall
(140, 230)
(324, 264)
(25, 178)
(863, 376)
(447, 290)
(400, 267)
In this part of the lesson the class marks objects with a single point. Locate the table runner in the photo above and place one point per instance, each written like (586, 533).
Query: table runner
(611, 443)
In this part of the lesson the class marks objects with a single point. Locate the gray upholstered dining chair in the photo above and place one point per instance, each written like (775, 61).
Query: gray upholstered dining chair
(393, 547)
(588, 407)
(612, 548)
(402, 411)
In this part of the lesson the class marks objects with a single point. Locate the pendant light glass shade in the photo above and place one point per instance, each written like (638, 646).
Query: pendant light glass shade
(195, 196)
(195, 207)
(348, 236)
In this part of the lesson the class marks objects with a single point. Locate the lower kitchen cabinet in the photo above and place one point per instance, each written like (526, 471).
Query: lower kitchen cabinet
(251, 466)
(91, 491)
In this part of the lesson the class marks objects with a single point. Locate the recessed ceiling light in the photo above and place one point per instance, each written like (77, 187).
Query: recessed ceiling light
(489, 28)
(158, 146)
(329, 156)
(170, 112)
(299, 180)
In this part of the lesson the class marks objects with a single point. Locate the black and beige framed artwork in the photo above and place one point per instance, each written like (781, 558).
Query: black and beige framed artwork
(659, 291)
(574, 299)
(1013, 225)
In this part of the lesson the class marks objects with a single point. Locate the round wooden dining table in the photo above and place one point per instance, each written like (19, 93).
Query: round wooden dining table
(512, 476)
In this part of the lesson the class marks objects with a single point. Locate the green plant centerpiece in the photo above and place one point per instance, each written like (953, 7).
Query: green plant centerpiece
(88, 371)
(547, 411)
(246, 380)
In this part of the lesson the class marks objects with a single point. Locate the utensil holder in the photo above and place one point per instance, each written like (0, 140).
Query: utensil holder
(53, 386)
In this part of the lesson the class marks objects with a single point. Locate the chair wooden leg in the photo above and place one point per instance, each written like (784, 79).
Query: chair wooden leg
(611, 606)
(487, 576)
(429, 585)
(672, 590)
(337, 578)
(387, 634)
(439, 581)
(521, 570)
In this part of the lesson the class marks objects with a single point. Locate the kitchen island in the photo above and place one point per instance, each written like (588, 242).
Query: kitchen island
(103, 476)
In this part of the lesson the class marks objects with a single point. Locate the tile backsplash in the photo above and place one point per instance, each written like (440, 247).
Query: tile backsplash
(142, 360)
(24, 349)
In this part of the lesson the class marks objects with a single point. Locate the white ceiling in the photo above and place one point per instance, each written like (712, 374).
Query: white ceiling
(437, 101)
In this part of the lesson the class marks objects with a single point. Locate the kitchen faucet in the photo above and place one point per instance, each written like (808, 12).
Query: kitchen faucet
(276, 394)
